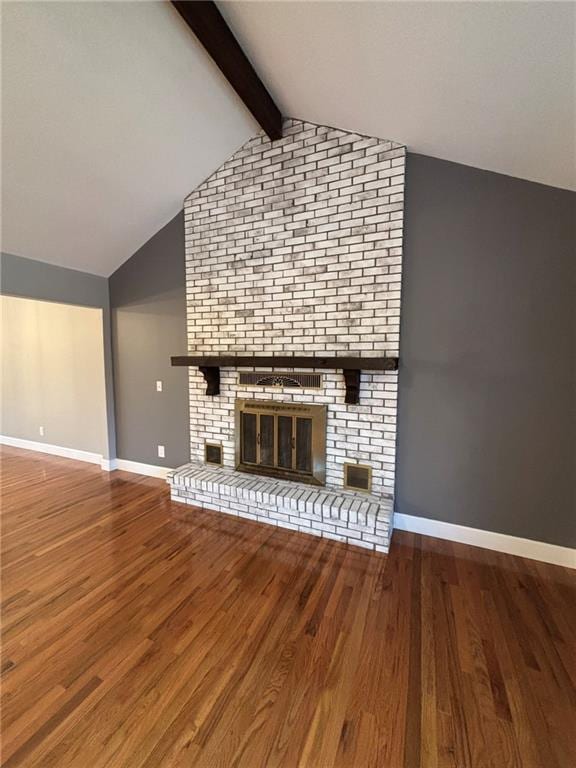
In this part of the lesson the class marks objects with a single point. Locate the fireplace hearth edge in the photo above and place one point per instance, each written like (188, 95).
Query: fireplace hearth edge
(356, 518)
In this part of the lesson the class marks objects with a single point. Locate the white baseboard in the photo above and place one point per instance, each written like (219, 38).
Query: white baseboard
(500, 542)
(108, 465)
(55, 450)
(152, 470)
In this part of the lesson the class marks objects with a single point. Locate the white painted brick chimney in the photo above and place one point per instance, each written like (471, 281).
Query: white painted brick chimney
(295, 247)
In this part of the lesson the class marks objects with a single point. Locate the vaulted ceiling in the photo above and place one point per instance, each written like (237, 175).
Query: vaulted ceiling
(112, 112)
(487, 84)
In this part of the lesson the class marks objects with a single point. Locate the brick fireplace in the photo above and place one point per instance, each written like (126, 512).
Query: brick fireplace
(294, 248)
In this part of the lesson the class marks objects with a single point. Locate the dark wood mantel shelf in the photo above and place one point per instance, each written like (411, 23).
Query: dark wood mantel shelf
(350, 366)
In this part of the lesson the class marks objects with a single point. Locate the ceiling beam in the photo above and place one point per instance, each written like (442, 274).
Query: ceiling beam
(207, 23)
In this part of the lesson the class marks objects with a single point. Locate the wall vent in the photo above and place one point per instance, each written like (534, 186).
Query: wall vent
(358, 477)
(280, 380)
(213, 453)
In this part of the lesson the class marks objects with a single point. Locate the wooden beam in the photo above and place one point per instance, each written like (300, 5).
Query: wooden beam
(207, 23)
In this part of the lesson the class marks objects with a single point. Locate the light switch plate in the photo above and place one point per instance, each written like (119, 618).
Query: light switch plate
(158, 386)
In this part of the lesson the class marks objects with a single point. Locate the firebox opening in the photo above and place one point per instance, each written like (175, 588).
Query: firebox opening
(284, 440)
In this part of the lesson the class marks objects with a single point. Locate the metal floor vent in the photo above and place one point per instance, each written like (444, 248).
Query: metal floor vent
(213, 453)
(358, 477)
(282, 380)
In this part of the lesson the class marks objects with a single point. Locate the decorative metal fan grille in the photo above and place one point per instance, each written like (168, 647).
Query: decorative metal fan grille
(281, 380)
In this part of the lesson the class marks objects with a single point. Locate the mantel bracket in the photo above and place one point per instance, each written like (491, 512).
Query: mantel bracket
(350, 367)
(212, 377)
(352, 381)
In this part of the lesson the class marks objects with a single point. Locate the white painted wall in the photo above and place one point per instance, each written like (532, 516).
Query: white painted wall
(52, 364)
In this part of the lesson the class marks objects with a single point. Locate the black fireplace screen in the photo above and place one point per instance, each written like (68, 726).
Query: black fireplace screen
(286, 440)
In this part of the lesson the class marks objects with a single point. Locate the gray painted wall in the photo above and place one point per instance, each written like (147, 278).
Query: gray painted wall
(487, 432)
(46, 282)
(32, 279)
(148, 306)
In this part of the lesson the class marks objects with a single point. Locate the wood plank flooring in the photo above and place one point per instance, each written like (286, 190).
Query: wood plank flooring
(138, 633)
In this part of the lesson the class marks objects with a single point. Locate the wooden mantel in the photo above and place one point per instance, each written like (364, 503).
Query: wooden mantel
(350, 366)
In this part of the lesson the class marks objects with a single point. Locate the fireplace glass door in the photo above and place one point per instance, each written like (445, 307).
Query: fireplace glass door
(286, 440)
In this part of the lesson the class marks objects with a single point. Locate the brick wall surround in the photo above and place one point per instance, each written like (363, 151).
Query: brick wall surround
(296, 247)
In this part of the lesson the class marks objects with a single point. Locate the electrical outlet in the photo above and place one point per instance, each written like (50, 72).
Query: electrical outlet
(158, 386)
(161, 452)
(41, 430)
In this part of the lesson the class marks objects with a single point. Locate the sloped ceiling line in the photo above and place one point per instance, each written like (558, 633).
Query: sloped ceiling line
(111, 116)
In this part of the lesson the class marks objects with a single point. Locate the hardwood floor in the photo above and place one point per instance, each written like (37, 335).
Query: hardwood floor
(138, 633)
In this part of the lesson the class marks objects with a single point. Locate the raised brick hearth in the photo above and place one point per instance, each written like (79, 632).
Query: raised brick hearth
(295, 248)
(355, 518)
